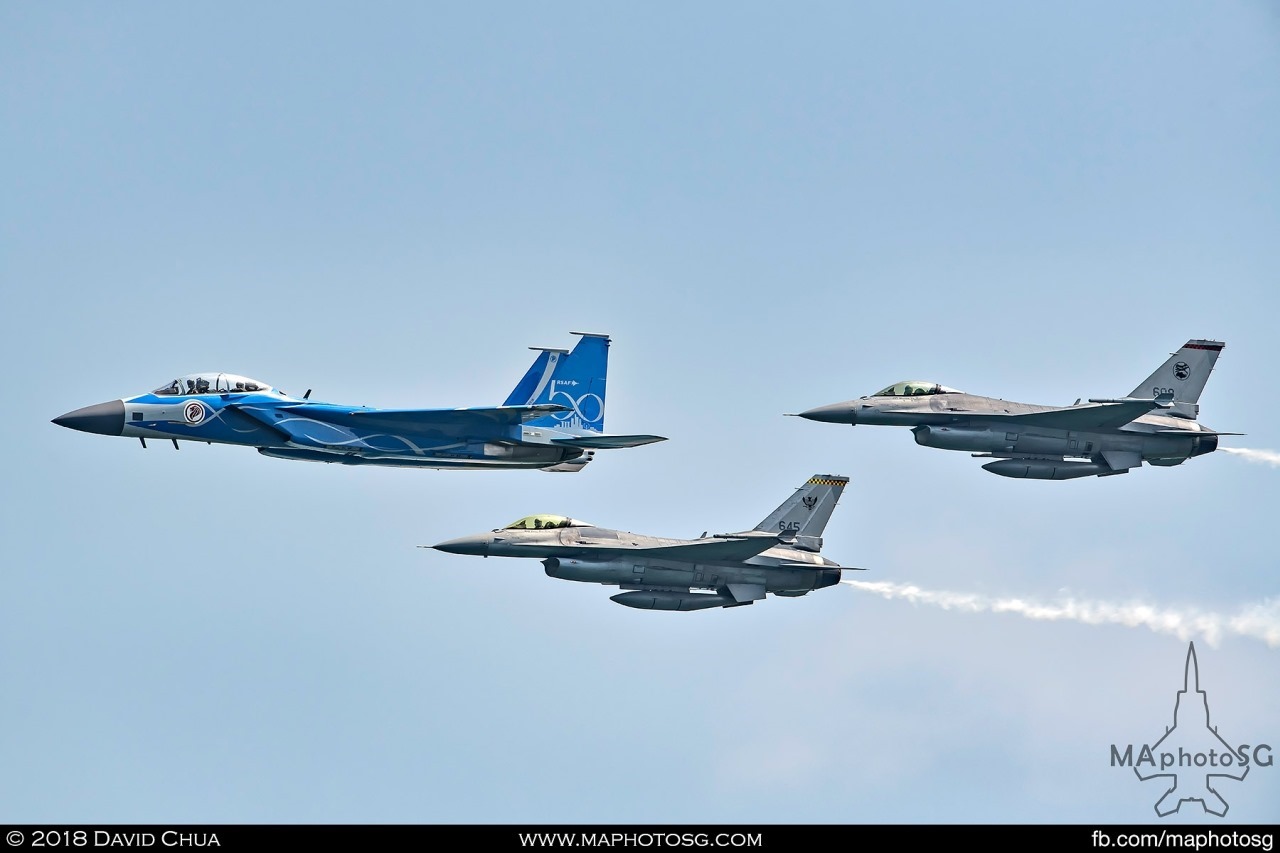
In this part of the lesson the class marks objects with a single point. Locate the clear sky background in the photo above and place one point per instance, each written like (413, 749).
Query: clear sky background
(769, 207)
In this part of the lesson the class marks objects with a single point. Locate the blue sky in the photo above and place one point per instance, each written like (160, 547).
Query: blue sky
(768, 209)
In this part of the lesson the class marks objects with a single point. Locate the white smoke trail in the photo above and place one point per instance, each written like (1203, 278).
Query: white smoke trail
(1258, 621)
(1263, 457)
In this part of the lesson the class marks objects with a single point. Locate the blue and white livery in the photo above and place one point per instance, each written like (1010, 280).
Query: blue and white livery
(553, 420)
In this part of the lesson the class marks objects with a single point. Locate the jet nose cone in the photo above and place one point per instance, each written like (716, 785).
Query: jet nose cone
(836, 413)
(471, 545)
(103, 419)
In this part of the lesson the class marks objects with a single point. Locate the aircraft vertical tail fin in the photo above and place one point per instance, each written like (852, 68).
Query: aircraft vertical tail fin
(531, 387)
(807, 511)
(1185, 374)
(575, 380)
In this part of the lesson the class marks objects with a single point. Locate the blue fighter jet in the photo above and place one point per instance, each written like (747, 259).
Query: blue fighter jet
(553, 420)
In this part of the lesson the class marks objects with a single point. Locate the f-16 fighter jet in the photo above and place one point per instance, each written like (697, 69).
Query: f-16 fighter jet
(1156, 423)
(780, 555)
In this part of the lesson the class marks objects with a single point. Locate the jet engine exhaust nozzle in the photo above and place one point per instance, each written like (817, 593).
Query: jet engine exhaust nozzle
(1203, 444)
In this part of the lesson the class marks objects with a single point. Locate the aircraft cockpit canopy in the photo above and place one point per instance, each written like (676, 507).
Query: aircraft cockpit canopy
(915, 388)
(211, 383)
(544, 522)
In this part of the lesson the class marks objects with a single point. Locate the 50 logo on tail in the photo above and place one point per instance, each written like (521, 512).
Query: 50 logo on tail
(593, 403)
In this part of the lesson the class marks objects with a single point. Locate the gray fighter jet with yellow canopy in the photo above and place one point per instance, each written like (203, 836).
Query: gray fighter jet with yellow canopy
(780, 555)
(1156, 423)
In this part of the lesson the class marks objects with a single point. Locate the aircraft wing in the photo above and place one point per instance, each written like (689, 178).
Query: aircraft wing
(604, 441)
(449, 421)
(1097, 416)
(729, 548)
(738, 546)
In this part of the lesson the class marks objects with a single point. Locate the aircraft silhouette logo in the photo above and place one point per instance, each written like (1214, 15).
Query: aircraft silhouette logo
(1191, 757)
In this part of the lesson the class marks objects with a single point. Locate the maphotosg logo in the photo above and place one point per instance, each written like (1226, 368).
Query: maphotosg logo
(1191, 756)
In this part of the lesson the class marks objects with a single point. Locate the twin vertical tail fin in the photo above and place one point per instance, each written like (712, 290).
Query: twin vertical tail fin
(807, 512)
(1184, 375)
(575, 380)
(532, 386)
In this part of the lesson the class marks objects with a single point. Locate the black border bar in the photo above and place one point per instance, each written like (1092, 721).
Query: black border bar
(1236, 838)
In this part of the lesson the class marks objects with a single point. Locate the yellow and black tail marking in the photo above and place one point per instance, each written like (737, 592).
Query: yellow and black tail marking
(827, 481)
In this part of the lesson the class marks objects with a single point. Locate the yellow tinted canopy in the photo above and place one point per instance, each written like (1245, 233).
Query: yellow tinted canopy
(544, 522)
(914, 388)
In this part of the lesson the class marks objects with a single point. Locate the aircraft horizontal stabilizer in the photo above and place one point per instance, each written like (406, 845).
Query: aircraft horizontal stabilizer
(604, 441)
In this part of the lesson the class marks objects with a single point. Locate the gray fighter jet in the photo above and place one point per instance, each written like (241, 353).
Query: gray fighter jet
(1155, 424)
(779, 556)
